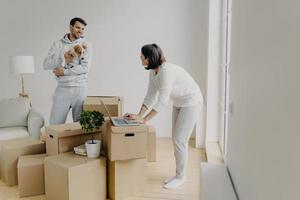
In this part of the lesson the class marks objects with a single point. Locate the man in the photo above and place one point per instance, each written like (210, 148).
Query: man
(71, 73)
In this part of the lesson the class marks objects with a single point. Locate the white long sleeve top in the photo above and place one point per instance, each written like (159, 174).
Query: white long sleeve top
(172, 82)
(75, 73)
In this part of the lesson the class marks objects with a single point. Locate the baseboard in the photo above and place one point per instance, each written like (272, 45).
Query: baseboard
(215, 177)
(216, 182)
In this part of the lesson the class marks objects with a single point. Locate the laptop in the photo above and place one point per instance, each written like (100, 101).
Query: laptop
(119, 121)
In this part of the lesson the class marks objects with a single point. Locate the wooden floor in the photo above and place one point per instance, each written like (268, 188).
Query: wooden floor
(157, 171)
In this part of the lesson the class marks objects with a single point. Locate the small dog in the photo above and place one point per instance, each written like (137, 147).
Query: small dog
(77, 52)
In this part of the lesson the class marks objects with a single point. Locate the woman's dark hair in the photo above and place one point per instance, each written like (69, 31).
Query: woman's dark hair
(154, 54)
(77, 19)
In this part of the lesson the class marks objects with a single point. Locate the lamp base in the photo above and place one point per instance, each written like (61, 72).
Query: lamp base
(25, 95)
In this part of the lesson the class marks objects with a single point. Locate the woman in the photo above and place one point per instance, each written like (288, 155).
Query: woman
(168, 81)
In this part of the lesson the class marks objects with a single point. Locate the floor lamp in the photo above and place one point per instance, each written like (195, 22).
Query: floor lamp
(22, 65)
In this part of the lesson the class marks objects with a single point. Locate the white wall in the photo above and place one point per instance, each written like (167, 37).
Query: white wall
(117, 30)
(263, 141)
(214, 71)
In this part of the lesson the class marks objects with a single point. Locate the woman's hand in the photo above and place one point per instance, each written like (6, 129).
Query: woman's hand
(142, 121)
(135, 117)
(131, 116)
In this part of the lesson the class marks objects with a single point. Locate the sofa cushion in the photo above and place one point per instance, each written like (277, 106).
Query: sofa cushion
(13, 132)
(14, 112)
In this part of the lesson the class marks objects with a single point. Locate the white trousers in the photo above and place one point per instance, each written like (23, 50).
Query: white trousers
(183, 122)
(64, 99)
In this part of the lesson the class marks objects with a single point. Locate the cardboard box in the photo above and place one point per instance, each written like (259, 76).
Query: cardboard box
(151, 144)
(43, 134)
(64, 137)
(123, 143)
(126, 178)
(72, 177)
(114, 105)
(31, 175)
(10, 150)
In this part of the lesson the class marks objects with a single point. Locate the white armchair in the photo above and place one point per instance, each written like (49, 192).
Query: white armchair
(18, 119)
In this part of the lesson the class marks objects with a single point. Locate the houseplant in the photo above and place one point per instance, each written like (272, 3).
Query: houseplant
(91, 121)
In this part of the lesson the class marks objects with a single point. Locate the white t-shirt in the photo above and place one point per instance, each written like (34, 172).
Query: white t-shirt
(172, 82)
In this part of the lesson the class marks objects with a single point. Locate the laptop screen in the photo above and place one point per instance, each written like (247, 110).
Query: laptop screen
(119, 121)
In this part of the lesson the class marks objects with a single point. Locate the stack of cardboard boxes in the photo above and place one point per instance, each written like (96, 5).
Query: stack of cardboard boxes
(61, 174)
(10, 151)
(126, 152)
(126, 149)
(69, 176)
(115, 106)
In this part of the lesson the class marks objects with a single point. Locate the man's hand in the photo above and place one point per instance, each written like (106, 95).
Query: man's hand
(59, 71)
(69, 55)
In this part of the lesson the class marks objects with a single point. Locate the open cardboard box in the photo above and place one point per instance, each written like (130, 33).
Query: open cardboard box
(64, 137)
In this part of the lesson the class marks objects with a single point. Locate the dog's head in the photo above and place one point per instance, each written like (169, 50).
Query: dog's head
(79, 50)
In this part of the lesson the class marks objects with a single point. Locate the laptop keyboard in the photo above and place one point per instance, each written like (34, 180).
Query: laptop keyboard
(121, 121)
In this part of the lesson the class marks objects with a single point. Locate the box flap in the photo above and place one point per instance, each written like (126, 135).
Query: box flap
(64, 127)
(65, 130)
(20, 142)
(123, 129)
(107, 100)
(70, 159)
(29, 160)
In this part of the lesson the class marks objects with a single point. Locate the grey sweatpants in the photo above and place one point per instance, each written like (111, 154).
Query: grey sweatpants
(183, 122)
(64, 99)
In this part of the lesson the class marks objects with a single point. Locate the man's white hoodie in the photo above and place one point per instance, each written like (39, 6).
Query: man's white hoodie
(75, 73)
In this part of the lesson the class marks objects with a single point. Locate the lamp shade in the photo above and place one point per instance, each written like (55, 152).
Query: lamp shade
(21, 64)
